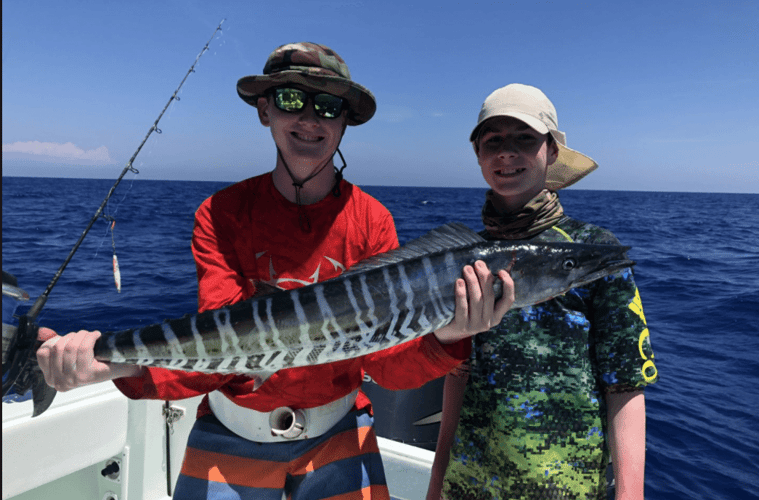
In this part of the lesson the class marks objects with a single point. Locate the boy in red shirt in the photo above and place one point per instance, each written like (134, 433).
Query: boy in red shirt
(305, 431)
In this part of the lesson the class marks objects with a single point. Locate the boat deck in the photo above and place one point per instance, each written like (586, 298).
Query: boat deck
(62, 454)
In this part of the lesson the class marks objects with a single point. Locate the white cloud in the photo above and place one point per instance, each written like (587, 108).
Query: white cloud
(394, 114)
(68, 151)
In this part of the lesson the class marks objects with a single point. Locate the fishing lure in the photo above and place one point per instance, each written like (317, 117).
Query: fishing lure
(116, 272)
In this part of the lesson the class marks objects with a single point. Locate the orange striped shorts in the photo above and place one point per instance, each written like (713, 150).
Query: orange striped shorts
(343, 464)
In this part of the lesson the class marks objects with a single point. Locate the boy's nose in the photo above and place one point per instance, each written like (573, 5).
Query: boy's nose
(507, 147)
(309, 112)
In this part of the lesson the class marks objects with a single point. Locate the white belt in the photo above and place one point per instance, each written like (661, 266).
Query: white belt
(282, 424)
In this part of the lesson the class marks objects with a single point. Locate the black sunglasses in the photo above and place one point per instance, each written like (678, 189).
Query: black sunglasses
(294, 100)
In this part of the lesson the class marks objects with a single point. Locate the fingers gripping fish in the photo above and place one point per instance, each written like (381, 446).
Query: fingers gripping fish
(381, 302)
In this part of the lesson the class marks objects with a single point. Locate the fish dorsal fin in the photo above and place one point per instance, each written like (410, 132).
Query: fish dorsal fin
(447, 237)
(263, 288)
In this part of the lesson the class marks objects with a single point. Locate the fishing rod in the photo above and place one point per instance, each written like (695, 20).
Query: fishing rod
(24, 343)
(42, 299)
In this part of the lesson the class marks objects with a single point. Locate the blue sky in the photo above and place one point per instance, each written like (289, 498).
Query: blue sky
(662, 94)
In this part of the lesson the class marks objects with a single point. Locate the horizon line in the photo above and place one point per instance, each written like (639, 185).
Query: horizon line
(571, 188)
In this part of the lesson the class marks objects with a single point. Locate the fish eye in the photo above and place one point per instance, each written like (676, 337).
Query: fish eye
(569, 264)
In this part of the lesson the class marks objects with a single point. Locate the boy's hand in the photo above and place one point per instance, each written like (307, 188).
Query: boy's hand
(68, 361)
(476, 308)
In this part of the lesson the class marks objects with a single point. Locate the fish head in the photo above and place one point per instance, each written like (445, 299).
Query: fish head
(542, 271)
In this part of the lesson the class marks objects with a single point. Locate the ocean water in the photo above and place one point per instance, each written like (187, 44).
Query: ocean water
(697, 269)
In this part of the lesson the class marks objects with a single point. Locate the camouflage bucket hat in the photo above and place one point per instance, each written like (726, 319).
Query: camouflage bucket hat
(314, 67)
(530, 105)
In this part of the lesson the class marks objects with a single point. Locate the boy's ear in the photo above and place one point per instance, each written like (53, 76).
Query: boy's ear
(263, 111)
(553, 153)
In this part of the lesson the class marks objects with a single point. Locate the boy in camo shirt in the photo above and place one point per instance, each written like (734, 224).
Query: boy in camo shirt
(557, 386)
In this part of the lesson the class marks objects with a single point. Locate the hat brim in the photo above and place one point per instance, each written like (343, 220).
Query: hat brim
(570, 166)
(360, 100)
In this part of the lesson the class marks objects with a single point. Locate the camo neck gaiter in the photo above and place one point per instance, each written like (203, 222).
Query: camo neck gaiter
(539, 214)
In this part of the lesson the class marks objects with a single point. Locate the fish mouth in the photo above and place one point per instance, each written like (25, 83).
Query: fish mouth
(610, 265)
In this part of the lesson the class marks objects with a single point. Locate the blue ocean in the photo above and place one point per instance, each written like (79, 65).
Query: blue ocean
(697, 269)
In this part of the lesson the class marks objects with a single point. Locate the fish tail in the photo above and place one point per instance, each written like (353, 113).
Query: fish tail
(23, 372)
(42, 394)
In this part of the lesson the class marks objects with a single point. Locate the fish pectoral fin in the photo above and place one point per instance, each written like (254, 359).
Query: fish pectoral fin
(259, 378)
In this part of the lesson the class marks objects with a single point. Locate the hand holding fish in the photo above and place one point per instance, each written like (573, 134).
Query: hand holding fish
(68, 361)
(476, 308)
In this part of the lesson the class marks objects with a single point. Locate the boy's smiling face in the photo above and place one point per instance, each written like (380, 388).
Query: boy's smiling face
(305, 139)
(514, 159)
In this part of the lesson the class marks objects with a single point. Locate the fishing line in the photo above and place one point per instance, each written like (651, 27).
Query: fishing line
(110, 219)
(42, 299)
(114, 207)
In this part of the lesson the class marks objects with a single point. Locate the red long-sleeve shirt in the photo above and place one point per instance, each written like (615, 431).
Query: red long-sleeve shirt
(248, 233)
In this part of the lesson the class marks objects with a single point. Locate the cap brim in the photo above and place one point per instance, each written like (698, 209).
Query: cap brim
(531, 121)
(360, 100)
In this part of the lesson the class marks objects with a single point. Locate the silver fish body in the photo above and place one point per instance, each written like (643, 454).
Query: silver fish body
(382, 302)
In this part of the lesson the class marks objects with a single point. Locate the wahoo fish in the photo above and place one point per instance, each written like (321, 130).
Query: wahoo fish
(381, 302)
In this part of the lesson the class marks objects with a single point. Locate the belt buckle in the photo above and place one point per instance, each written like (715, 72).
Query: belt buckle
(287, 423)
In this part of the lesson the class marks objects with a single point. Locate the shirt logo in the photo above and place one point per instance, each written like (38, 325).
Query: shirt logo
(648, 370)
(274, 280)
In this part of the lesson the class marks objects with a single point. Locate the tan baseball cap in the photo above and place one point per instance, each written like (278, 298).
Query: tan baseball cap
(531, 106)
